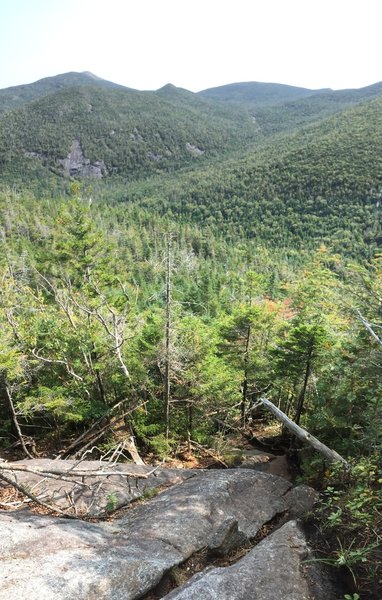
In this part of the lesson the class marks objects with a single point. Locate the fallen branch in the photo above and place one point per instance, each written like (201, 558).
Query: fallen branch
(91, 436)
(86, 433)
(209, 453)
(20, 488)
(44, 474)
(72, 472)
(303, 435)
(62, 475)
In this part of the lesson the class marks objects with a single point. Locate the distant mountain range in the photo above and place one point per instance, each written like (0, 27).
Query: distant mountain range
(245, 94)
(77, 124)
(246, 155)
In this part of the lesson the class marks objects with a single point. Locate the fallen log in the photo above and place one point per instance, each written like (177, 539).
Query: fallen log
(302, 434)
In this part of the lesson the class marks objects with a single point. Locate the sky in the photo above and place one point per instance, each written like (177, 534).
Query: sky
(194, 44)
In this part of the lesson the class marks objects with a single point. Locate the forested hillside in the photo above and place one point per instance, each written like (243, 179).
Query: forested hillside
(117, 132)
(278, 108)
(207, 263)
(15, 96)
(321, 184)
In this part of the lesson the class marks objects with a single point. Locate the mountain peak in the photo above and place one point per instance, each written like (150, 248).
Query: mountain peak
(90, 74)
(15, 96)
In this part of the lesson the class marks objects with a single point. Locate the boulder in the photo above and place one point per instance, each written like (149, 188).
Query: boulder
(188, 515)
(227, 537)
(267, 463)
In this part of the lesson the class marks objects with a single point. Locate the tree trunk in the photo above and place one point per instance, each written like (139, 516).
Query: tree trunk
(130, 446)
(303, 435)
(243, 406)
(190, 426)
(14, 418)
(301, 396)
(167, 383)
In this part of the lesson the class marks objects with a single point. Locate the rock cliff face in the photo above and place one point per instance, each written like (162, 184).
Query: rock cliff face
(43, 557)
(76, 164)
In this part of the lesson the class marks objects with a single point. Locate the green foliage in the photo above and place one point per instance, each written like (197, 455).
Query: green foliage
(112, 501)
(150, 493)
(350, 514)
(182, 155)
(161, 446)
(319, 185)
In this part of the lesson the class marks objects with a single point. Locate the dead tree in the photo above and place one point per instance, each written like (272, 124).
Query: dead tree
(302, 434)
(167, 365)
(8, 395)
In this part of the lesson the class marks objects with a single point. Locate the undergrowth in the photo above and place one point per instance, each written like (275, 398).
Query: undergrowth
(349, 519)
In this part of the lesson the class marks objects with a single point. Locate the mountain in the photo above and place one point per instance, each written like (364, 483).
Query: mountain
(255, 94)
(321, 184)
(15, 96)
(97, 130)
(300, 168)
(278, 108)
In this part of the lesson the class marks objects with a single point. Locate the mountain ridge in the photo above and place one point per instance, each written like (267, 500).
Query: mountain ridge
(284, 173)
(132, 133)
(240, 92)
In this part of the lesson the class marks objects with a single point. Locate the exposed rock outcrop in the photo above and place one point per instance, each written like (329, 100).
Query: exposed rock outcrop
(273, 570)
(94, 494)
(76, 164)
(43, 557)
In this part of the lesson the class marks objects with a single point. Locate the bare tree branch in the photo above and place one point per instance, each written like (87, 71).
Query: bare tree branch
(19, 487)
(368, 326)
(114, 329)
(66, 473)
(56, 361)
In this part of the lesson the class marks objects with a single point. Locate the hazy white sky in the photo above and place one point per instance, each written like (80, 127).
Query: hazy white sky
(193, 44)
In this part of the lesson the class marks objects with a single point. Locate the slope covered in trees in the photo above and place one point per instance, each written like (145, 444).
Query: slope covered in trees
(277, 108)
(73, 319)
(321, 184)
(18, 95)
(245, 227)
(123, 132)
(254, 94)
